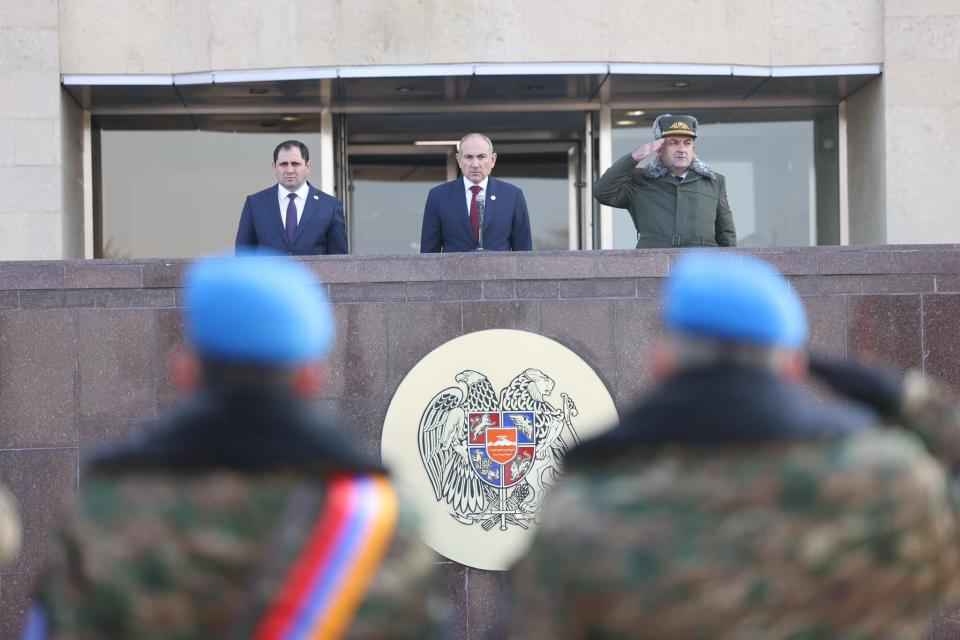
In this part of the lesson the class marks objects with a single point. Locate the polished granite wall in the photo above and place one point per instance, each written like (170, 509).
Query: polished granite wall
(84, 345)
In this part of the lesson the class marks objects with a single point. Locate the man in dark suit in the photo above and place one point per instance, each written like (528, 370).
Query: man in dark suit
(293, 217)
(454, 210)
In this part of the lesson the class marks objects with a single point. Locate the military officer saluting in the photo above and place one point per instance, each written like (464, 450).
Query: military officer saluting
(676, 200)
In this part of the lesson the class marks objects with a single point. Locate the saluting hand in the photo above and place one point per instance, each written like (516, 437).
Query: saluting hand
(647, 150)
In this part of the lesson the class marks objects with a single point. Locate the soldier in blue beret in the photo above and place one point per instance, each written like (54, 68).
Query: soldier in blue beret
(733, 504)
(676, 200)
(242, 513)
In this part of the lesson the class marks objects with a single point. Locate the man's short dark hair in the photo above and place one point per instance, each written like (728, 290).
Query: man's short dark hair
(292, 144)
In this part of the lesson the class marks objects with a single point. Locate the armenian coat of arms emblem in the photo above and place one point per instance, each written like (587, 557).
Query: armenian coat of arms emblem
(477, 432)
(491, 457)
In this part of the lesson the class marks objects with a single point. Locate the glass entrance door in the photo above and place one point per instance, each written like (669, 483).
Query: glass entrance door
(388, 187)
(392, 162)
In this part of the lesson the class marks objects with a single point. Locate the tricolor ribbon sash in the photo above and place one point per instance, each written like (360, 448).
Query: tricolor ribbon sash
(327, 582)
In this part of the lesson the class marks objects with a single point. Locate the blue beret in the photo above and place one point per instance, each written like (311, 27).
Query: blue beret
(257, 309)
(733, 297)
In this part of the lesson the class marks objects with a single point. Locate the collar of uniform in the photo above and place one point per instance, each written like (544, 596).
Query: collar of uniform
(726, 405)
(239, 427)
(657, 169)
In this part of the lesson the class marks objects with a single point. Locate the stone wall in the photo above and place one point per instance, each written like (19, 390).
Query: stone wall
(31, 198)
(921, 105)
(178, 36)
(84, 345)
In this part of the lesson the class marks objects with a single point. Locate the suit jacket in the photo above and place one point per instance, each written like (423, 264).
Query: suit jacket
(321, 230)
(446, 220)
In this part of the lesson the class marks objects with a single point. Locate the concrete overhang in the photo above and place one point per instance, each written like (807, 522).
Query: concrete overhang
(247, 99)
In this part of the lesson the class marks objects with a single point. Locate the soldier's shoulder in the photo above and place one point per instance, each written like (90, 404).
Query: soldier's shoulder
(404, 599)
(875, 457)
(891, 458)
(887, 448)
(596, 491)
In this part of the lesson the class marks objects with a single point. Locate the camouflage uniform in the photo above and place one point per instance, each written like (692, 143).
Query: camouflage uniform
(190, 531)
(732, 505)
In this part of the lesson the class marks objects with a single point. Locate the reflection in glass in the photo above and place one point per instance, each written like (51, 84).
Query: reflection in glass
(547, 203)
(178, 194)
(781, 176)
(389, 192)
(543, 178)
(388, 203)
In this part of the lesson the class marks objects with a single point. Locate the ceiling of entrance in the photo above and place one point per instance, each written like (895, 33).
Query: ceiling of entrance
(238, 104)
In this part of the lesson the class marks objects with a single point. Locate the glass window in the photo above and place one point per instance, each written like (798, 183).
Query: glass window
(544, 180)
(780, 168)
(389, 190)
(178, 194)
(388, 194)
(394, 160)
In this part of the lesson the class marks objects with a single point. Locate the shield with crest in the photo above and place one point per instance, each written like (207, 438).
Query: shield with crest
(491, 443)
(491, 456)
(501, 445)
(520, 424)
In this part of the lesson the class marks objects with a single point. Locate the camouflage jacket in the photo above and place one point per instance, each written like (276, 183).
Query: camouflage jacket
(730, 505)
(223, 523)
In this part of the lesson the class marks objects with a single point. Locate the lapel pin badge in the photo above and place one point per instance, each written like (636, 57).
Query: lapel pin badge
(316, 197)
(493, 197)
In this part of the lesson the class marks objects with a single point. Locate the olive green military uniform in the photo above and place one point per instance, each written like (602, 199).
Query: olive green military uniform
(748, 513)
(666, 212)
(192, 531)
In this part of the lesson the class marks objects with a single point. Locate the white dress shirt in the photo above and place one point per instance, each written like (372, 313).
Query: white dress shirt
(300, 201)
(466, 189)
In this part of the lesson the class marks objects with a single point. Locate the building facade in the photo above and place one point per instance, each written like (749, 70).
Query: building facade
(134, 129)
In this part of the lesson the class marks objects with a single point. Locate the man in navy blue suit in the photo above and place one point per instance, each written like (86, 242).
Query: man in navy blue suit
(293, 217)
(454, 210)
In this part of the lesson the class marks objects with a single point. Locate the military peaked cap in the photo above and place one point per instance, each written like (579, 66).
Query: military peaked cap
(671, 125)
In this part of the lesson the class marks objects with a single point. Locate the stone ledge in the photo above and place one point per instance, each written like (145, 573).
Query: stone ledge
(939, 260)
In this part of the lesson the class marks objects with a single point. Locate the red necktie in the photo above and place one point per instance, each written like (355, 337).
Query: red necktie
(291, 218)
(475, 212)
